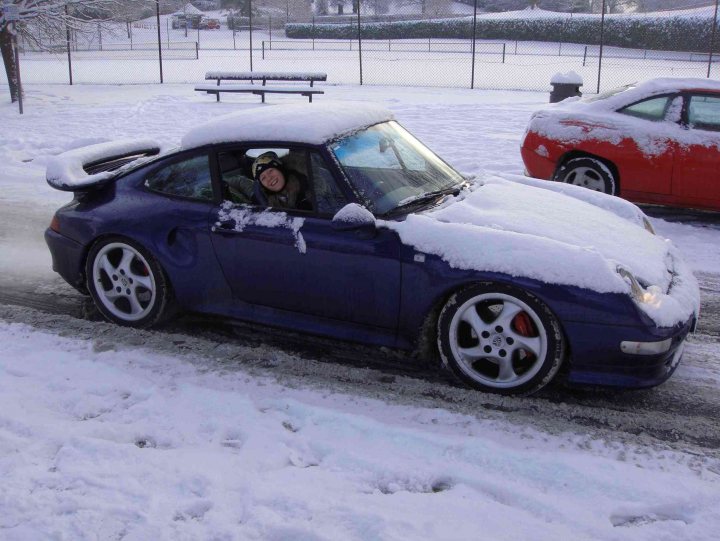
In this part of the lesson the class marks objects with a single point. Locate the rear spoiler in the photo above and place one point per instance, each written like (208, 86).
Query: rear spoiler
(91, 167)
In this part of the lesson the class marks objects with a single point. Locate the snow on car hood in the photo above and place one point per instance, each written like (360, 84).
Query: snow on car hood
(523, 231)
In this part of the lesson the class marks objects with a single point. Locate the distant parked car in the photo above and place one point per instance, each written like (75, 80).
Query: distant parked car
(178, 21)
(656, 142)
(508, 281)
(212, 24)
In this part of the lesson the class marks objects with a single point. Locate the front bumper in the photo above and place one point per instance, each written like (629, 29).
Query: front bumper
(67, 258)
(598, 359)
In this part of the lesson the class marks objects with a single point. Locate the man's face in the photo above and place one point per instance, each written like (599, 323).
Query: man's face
(272, 179)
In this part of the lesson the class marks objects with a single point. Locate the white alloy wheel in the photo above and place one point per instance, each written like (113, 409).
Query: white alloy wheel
(588, 173)
(123, 282)
(499, 338)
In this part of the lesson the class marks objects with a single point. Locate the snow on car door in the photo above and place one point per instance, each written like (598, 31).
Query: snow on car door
(648, 151)
(696, 178)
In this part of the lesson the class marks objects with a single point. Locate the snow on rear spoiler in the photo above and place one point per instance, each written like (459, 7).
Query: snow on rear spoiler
(91, 167)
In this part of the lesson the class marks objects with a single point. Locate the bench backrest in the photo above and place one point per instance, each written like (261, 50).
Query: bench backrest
(264, 76)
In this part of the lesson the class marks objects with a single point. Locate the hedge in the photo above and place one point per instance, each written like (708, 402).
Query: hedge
(637, 32)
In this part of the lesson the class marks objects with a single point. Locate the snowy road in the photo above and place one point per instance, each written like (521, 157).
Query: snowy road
(681, 414)
(206, 430)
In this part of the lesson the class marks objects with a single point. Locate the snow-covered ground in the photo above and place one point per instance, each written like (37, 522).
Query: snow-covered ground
(119, 434)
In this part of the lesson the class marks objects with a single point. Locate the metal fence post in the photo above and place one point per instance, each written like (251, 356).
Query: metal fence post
(313, 33)
(197, 51)
(712, 39)
(251, 43)
(359, 42)
(503, 57)
(67, 33)
(270, 29)
(585, 55)
(472, 71)
(157, 16)
(263, 49)
(100, 35)
(602, 41)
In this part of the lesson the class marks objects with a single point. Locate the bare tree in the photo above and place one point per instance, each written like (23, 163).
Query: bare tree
(50, 19)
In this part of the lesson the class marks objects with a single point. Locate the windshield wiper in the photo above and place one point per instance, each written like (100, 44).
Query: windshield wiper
(424, 198)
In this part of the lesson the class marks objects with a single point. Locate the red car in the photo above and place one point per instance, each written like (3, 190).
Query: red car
(656, 142)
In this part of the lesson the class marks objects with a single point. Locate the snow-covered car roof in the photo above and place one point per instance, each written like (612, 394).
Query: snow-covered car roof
(313, 123)
(639, 91)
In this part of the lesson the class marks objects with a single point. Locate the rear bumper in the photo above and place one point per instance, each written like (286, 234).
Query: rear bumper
(67, 258)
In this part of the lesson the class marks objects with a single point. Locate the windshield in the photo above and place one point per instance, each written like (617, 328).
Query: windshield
(390, 168)
(609, 93)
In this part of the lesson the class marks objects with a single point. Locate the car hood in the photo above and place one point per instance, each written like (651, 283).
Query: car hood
(525, 231)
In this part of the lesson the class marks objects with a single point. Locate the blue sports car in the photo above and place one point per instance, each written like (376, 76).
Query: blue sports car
(334, 220)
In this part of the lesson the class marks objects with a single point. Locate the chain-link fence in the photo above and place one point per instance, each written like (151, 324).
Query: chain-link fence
(514, 51)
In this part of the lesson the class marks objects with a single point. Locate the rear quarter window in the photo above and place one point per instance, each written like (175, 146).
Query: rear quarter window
(188, 178)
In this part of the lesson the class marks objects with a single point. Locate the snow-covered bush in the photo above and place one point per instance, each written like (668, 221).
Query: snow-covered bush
(640, 32)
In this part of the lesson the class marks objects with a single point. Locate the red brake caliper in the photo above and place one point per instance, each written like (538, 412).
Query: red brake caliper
(523, 325)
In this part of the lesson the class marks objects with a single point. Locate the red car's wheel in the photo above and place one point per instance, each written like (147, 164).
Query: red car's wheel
(588, 173)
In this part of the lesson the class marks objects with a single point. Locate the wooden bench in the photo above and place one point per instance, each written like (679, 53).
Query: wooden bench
(263, 89)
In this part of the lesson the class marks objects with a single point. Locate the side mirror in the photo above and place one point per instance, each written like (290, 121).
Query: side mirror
(354, 217)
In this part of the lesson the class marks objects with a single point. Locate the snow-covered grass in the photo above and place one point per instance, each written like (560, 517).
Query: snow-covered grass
(105, 438)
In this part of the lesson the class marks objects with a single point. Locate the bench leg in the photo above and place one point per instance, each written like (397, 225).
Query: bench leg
(217, 96)
(263, 96)
(310, 97)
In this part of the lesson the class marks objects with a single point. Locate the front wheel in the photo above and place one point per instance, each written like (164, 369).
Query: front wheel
(498, 338)
(588, 173)
(127, 283)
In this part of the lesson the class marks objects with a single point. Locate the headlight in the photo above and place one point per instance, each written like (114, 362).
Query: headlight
(648, 226)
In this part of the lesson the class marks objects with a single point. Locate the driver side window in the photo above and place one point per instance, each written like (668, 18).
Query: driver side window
(328, 196)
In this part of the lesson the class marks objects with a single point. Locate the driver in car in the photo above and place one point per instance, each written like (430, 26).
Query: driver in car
(283, 188)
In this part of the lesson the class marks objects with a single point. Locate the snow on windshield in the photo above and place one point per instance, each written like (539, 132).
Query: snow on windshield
(387, 166)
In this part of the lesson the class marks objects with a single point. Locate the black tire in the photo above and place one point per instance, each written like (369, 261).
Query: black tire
(127, 284)
(514, 346)
(588, 173)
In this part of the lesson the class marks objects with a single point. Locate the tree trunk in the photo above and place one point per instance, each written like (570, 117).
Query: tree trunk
(8, 56)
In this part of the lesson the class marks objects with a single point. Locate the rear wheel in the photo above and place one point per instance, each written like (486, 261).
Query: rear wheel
(498, 338)
(588, 173)
(127, 283)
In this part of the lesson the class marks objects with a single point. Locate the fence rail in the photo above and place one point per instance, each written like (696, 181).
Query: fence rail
(125, 55)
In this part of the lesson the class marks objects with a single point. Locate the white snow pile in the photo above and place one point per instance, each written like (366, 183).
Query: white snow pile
(258, 75)
(522, 231)
(65, 171)
(239, 217)
(354, 214)
(311, 123)
(620, 207)
(569, 78)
